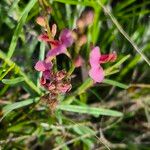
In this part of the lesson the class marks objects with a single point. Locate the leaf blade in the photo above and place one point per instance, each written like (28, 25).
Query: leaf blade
(13, 81)
(89, 110)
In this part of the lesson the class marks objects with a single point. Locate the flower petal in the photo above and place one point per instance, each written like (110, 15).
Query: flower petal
(108, 58)
(42, 66)
(43, 37)
(97, 74)
(46, 74)
(56, 51)
(95, 56)
(66, 37)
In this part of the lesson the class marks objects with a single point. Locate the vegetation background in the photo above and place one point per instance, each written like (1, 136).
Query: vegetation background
(111, 115)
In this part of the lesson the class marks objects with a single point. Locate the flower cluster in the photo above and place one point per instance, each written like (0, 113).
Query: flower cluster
(54, 81)
(58, 81)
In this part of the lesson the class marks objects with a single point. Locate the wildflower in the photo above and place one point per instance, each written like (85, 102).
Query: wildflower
(65, 41)
(43, 66)
(58, 46)
(96, 72)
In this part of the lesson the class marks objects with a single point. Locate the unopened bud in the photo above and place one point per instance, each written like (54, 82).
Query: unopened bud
(40, 20)
(54, 30)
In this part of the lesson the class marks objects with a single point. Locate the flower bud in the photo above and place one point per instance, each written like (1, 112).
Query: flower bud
(40, 20)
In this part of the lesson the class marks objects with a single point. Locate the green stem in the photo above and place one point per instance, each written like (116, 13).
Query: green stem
(16, 67)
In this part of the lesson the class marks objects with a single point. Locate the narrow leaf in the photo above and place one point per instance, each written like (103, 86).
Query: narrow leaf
(115, 83)
(89, 110)
(13, 81)
(19, 27)
(8, 108)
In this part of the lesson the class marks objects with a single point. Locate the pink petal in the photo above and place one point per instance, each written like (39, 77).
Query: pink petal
(97, 74)
(95, 56)
(43, 37)
(66, 37)
(108, 58)
(54, 43)
(47, 74)
(56, 51)
(42, 66)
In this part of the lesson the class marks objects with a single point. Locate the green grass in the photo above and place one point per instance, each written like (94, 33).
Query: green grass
(111, 115)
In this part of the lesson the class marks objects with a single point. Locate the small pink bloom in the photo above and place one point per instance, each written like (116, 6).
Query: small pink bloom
(43, 66)
(96, 72)
(60, 47)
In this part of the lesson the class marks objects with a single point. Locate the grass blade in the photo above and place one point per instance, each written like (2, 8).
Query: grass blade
(26, 79)
(18, 29)
(115, 83)
(8, 108)
(89, 110)
(119, 27)
(13, 81)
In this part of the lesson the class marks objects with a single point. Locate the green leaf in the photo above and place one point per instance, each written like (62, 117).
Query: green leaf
(122, 31)
(116, 65)
(115, 83)
(89, 110)
(8, 108)
(18, 69)
(87, 84)
(18, 29)
(13, 81)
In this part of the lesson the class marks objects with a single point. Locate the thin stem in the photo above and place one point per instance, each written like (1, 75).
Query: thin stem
(16, 67)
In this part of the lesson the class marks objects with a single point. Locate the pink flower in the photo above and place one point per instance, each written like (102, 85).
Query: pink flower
(43, 66)
(96, 72)
(58, 46)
